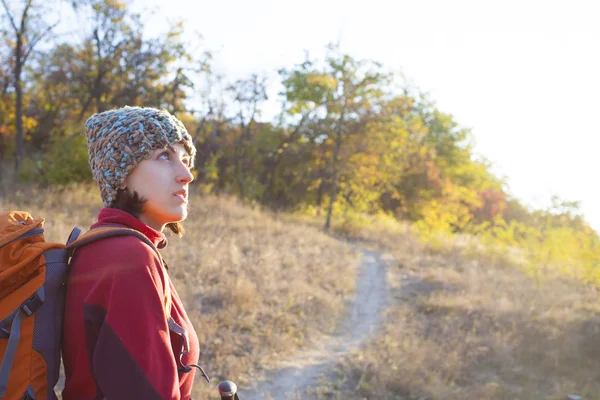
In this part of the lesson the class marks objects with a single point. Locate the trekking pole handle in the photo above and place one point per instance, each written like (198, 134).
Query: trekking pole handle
(228, 390)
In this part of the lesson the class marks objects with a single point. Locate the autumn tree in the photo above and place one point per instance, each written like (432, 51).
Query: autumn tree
(300, 137)
(6, 102)
(27, 28)
(345, 91)
(248, 95)
(210, 114)
(115, 65)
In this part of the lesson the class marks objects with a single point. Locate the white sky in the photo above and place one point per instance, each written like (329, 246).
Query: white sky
(524, 75)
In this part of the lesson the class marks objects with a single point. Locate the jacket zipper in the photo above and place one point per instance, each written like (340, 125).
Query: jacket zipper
(33, 232)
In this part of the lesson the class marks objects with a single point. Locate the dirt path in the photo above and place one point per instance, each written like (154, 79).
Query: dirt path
(293, 377)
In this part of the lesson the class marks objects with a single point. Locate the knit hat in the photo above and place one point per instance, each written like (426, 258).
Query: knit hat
(118, 140)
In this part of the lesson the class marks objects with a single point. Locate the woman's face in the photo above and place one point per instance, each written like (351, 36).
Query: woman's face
(162, 180)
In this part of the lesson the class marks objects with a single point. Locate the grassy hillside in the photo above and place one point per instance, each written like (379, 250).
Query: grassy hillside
(469, 324)
(464, 322)
(255, 287)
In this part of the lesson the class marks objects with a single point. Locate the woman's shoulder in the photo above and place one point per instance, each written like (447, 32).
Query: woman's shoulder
(108, 264)
(117, 250)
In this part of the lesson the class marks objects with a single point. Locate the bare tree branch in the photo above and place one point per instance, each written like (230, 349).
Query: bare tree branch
(24, 18)
(10, 17)
(36, 39)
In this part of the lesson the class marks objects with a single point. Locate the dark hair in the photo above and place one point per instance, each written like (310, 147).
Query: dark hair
(133, 204)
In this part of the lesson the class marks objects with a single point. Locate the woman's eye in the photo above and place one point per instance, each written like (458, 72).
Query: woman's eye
(167, 156)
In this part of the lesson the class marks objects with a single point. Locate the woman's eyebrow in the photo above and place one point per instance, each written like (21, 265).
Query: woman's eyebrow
(185, 154)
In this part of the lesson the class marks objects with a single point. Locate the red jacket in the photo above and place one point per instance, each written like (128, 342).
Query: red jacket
(116, 342)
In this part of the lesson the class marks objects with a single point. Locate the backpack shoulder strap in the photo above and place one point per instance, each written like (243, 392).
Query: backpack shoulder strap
(104, 232)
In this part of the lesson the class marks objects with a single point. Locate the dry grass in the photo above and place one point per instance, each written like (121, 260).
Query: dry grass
(256, 288)
(466, 327)
(465, 324)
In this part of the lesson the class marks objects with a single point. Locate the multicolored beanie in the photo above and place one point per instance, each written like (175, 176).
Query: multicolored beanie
(118, 140)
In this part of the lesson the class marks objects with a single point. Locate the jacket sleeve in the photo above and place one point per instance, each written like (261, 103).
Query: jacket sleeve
(127, 337)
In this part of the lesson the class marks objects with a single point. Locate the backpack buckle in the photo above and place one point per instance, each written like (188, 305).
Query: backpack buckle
(34, 302)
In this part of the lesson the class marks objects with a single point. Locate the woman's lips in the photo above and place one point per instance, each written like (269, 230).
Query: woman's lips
(181, 198)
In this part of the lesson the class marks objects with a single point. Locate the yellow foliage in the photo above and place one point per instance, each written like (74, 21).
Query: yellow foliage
(562, 249)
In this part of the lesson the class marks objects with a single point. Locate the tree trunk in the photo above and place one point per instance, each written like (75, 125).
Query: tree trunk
(239, 153)
(96, 93)
(238, 172)
(202, 156)
(333, 193)
(320, 194)
(19, 105)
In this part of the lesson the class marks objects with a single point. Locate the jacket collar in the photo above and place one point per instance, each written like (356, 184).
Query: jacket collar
(120, 217)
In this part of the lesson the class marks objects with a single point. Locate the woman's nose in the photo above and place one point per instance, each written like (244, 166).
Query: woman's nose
(184, 175)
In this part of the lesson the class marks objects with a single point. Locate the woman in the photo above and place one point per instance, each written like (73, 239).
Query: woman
(117, 341)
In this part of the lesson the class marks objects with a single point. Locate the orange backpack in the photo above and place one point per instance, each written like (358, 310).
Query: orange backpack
(33, 276)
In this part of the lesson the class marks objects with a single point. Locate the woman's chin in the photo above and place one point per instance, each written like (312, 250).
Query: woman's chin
(168, 213)
(179, 214)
